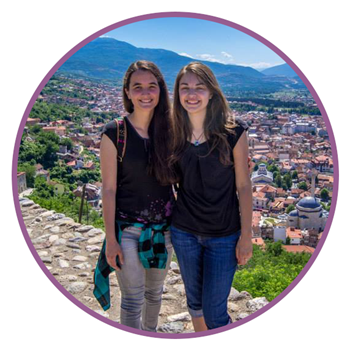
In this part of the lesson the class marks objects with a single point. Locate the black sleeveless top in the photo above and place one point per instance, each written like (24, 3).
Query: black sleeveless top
(207, 203)
(139, 198)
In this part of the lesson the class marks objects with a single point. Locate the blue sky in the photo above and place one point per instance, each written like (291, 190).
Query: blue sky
(199, 39)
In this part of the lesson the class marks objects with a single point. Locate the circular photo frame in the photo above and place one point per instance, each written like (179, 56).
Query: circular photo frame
(305, 204)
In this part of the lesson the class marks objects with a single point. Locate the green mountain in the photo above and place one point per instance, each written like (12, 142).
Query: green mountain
(108, 59)
(282, 70)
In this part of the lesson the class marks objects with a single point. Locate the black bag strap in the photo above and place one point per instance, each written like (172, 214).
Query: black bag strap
(121, 138)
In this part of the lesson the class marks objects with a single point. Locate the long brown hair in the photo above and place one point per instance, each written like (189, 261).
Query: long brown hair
(218, 123)
(159, 130)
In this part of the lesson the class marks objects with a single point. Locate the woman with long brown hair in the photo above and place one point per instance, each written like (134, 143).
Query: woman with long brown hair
(211, 225)
(137, 200)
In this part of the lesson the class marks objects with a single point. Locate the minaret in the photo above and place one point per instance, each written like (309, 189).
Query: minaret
(313, 181)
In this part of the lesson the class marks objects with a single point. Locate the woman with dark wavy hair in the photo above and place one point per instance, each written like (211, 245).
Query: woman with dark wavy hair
(137, 199)
(211, 225)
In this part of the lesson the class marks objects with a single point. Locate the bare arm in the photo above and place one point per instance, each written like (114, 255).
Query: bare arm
(244, 189)
(108, 162)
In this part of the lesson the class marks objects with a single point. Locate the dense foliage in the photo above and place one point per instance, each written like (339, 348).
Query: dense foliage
(270, 271)
(40, 148)
(64, 88)
(52, 111)
(302, 185)
(324, 194)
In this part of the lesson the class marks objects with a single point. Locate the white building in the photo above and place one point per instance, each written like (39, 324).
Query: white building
(262, 176)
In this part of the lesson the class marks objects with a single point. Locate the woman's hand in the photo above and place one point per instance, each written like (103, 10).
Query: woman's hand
(244, 249)
(113, 250)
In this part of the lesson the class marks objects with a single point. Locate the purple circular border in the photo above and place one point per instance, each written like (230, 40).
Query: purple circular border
(207, 18)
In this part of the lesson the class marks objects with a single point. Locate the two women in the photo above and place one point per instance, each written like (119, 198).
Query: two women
(211, 229)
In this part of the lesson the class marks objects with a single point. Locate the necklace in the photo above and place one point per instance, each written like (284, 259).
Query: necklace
(196, 140)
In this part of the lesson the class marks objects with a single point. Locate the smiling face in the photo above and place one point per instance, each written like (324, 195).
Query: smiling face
(143, 91)
(194, 95)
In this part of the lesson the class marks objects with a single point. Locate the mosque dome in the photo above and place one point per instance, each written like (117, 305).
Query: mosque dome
(293, 213)
(309, 203)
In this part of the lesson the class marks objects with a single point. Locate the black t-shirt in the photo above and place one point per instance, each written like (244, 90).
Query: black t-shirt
(207, 203)
(140, 197)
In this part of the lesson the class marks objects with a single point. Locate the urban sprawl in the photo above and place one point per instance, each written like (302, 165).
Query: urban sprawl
(291, 171)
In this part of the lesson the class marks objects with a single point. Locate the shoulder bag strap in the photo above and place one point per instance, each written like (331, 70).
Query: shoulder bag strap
(121, 137)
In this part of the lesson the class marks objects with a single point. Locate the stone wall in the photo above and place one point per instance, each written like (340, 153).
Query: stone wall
(70, 250)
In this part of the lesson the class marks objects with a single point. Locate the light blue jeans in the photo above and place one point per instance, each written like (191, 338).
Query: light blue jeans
(141, 289)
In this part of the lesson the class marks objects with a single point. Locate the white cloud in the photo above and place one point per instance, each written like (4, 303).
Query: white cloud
(185, 54)
(258, 65)
(208, 57)
(225, 54)
(226, 58)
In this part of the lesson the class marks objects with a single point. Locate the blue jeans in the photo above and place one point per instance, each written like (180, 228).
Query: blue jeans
(207, 266)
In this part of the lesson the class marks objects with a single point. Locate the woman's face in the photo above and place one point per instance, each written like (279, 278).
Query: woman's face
(143, 90)
(194, 95)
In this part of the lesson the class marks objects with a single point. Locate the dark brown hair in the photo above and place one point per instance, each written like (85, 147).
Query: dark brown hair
(218, 122)
(160, 131)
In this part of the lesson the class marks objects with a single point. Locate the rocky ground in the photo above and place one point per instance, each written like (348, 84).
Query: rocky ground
(70, 250)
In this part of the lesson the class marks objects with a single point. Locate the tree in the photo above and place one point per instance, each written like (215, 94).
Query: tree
(28, 150)
(295, 175)
(49, 155)
(30, 173)
(46, 137)
(35, 129)
(86, 176)
(67, 142)
(48, 146)
(324, 194)
(61, 172)
(302, 186)
(275, 249)
(273, 168)
(278, 180)
(288, 180)
(99, 119)
(288, 240)
(42, 188)
(290, 208)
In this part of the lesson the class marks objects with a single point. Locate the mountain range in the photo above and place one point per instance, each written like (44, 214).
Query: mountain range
(108, 59)
(281, 70)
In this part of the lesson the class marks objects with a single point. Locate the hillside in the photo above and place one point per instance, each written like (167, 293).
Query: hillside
(283, 70)
(108, 59)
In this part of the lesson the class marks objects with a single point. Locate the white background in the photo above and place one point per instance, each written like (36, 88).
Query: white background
(35, 35)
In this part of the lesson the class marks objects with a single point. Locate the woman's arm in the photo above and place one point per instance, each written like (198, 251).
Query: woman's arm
(108, 163)
(244, 189)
